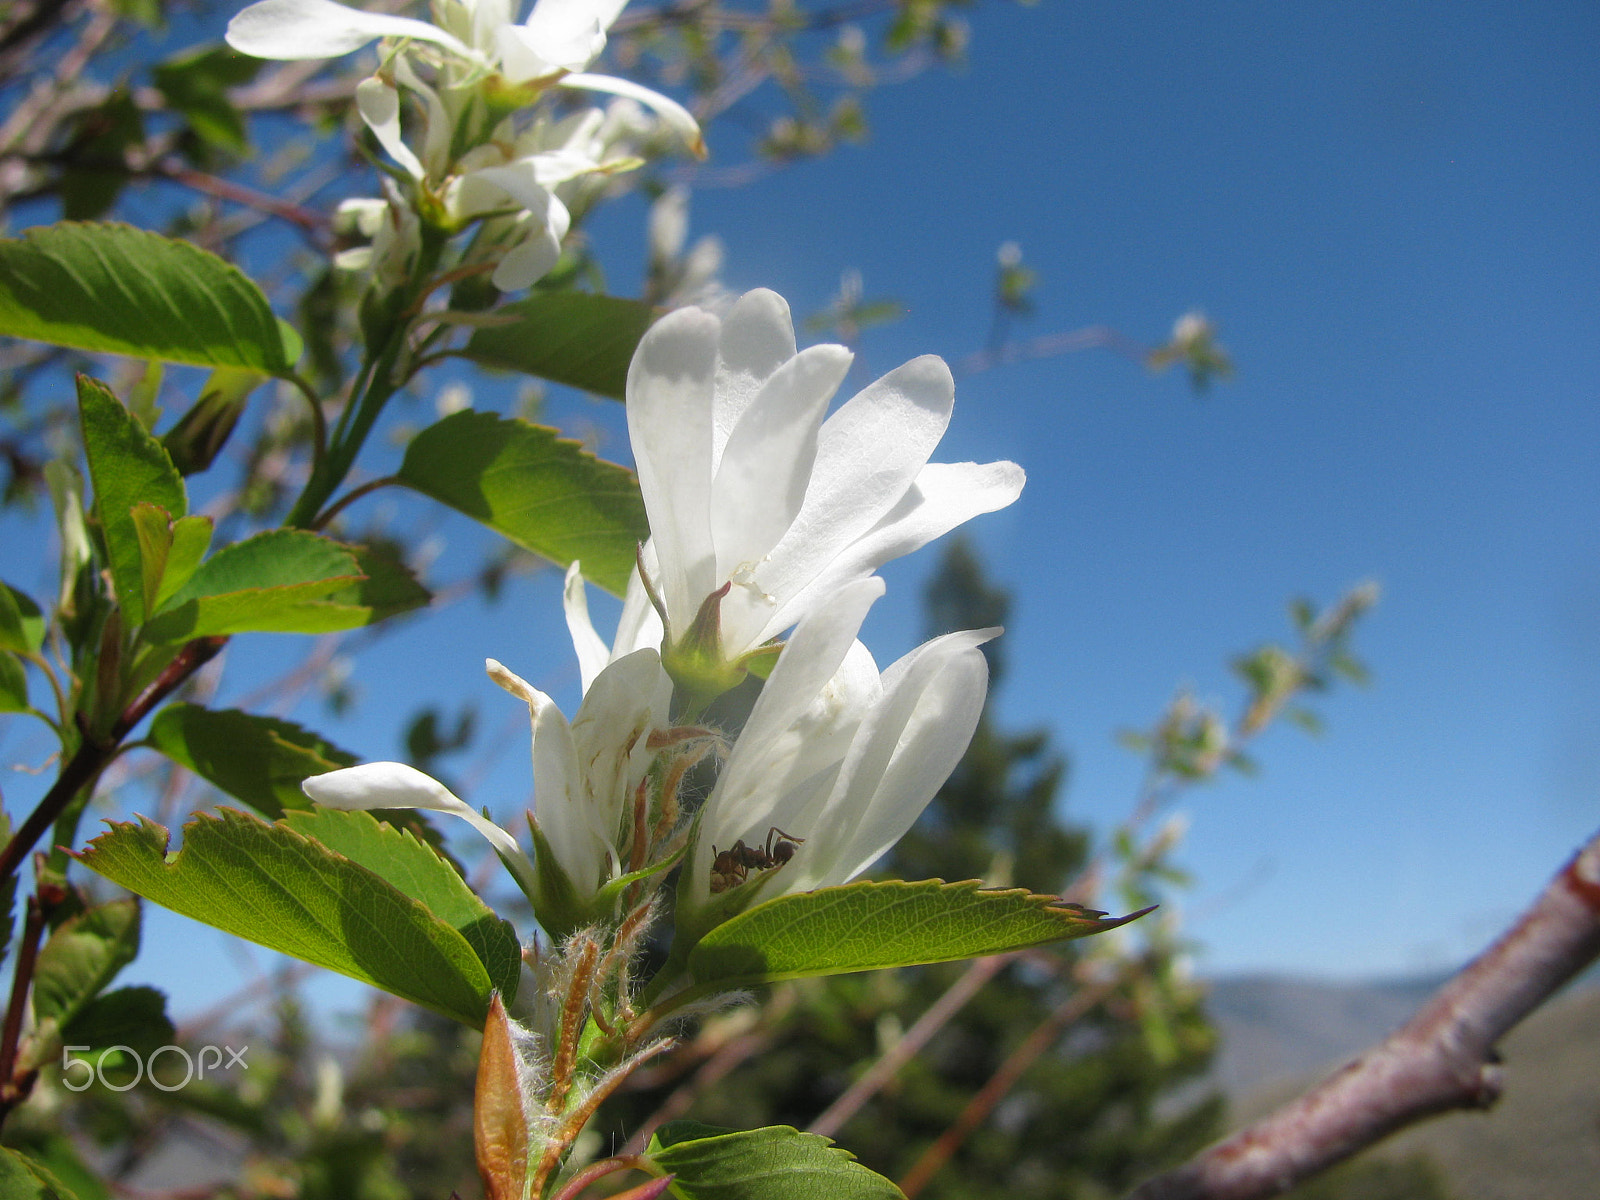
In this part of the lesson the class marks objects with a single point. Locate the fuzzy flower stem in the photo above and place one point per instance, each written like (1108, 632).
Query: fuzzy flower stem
(573, 1011)
(599, 1170)
(572, 1124)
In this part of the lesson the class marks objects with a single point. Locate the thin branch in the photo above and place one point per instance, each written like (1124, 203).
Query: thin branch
(93, 754)
(938, 1015)
(350, 497)
(40, 905)
(1046, 1034)
(1440, 1060)
(227, 189)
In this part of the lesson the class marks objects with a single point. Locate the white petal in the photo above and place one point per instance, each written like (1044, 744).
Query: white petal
(440, 128)
(944, 496)
(379, 105)
(904, 752)
(757, 339)
(610, 735)
(558, 798)
(669, 397)
(809, 661)
(296, 29)
(761, 481)
(395, 785)
(869, 453)
(592, 652)
(640, 624)
(527, 262)
(676, 117)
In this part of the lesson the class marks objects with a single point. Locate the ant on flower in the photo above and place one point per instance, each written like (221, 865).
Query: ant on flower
(730, 868)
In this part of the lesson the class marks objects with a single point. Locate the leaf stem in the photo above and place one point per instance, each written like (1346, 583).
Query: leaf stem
(350, 497)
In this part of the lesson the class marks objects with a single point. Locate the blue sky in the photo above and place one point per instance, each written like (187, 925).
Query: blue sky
(1391, 212)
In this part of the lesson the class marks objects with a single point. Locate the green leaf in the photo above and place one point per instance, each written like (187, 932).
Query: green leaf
(23, 1179)
(13, 685)
(259, 760)
(545, 493)
(576, 338)
(170, 551)
(120, 290)
(196, 86)
(869, 925)
(200, 433)
(128, 467)
(56, 1154)
(21, 622)
(135, 1017)
(761, 1164)
(272, 886)
(287, 581)
(401, 858)
(81, 957)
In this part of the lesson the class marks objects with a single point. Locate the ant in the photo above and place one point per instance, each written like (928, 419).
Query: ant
(730, 868)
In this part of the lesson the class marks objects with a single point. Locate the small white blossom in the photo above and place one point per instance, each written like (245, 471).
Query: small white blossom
(835, 756)
(760, 509)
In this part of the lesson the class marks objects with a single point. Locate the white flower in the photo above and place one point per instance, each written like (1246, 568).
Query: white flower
(836, 758)
(748, 488)
(584, 776)
(557, 41)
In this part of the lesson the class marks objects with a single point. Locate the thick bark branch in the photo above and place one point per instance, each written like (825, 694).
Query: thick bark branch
(1442, 1059)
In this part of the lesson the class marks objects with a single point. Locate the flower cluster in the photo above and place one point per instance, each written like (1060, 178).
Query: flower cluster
(767, 516)
(483, 151)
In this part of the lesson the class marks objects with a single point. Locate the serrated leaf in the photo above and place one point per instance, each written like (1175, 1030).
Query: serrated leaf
(127, 467)
(21, 622)
(58, 1156)
(543, 492)
(272, 886)
(288, 581)
(401, 858)
(260, 760)
(258, 585)
(576, 338)
(120, 290)
(83, 955)
(761, 1164)
(870, 925)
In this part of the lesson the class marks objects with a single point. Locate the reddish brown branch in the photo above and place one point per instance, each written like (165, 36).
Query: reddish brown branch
(92, 755)
(1442, 1059)
(1046, 1034)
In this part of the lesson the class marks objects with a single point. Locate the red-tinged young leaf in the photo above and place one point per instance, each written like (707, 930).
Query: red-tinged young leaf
(499, 1120)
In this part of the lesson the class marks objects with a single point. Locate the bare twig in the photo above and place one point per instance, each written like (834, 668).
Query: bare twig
(1440, 1060)
(1046, 1034)
(937, 1016)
